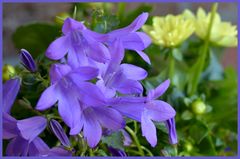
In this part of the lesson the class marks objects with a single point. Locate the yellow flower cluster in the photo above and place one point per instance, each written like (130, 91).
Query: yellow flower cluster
(222, 33)
(171, 30)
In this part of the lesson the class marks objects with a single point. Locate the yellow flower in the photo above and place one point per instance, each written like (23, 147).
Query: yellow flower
(8, 72)
(222, 33)
(170, 31)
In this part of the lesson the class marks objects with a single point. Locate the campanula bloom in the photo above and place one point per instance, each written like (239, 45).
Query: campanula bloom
(77, 41)
(123, 78)
(170, 31)
(27, 60)
(130, 38)
(96, 113)
(222, 33)
(21, 132)
(146, 110)
(63, 90)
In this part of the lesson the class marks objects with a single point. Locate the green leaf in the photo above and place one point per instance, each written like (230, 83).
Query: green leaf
(177, 54)
(114, 140)
(35, 37)
(198, 131)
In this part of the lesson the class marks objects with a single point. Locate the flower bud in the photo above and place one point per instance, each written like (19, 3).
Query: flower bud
(8, 72)
(59, 133)
(198, 107)
(27, 60)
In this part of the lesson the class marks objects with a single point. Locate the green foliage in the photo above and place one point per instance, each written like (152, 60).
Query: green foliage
(35, 37)
(114, 140)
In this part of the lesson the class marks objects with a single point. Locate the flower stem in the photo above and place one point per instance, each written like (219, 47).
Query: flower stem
(171, 67)
(134, 137)
(201, 62)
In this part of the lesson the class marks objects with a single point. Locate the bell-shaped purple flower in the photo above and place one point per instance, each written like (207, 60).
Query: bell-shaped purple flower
(59, 133)
(123, 78)
(130, 38)
(146, 110)
(63, 90)
(80, 44)
(27, 60)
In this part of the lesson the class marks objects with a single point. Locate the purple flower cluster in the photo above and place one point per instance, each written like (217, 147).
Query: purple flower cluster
(23, 134)
(93, 89)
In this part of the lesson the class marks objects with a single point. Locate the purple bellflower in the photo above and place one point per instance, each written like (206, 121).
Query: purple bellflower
(130, 38)
(81, 104)
(64, 91)
(146, 110)
(96, 114)
(27, 60)
(115, 76)
(24, 132)
(79, 44)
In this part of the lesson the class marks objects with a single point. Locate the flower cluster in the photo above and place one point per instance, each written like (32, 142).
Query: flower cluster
(93, 90)
(172, 30)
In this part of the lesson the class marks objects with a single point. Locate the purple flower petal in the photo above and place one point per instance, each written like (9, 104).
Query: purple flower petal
(136, 41)
(58, 71)
(27, 60)
(84, 73)
(95, 50)
(148, 129)
(10, 91)
(77, 127)
(68, 107)
(157, 92)
(133, 72)
(58, 48)
(128, 86)
(134, 26)
(170, 124)
(108, 92)
(17, 147)
(30, 128)
(109, 118)
(59, 132)
(160, 110)
(127, 138)
(95, 97)
(92, 129)
(10, 129)
(38, 147)
(71, 25)
(131, 107)
(144, 56)
(48, 98)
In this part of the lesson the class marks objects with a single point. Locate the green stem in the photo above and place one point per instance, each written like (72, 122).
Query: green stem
(203, 55)
(134, 137)
(135, 127)
(147, 150)
(91, 152)
(171, 67)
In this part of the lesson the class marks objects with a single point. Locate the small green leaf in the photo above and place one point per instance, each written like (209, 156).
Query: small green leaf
(114, 140)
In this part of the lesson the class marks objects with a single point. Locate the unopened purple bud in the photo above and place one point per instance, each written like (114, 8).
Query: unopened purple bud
(116, 152)
(59, 133)
(170, 124)
(27, 60)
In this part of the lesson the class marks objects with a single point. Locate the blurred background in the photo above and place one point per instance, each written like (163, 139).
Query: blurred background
(17, 14)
